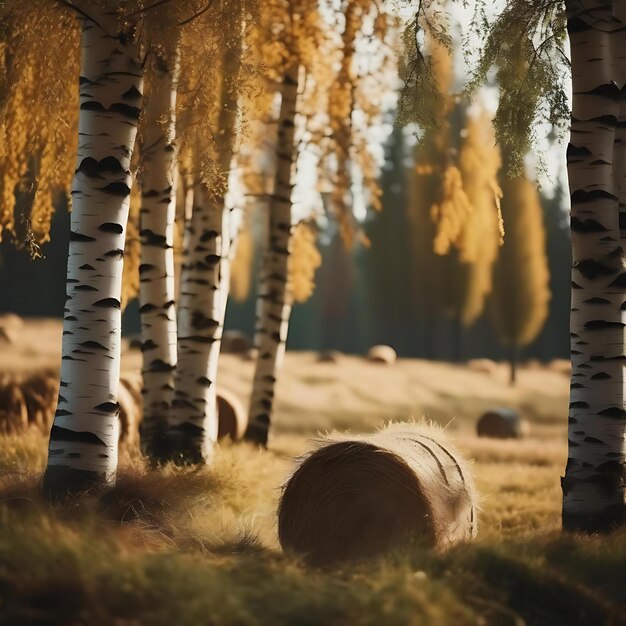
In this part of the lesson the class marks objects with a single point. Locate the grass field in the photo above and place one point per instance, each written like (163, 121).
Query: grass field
(194, 547)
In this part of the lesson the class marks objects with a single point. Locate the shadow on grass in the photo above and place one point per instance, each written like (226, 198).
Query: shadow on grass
(154, 551)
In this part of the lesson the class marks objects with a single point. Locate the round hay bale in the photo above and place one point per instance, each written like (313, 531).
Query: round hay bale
(41, 392)
(235, 342)
(130, 417)
(329, 356)
(501, 423)
(356, 497)
(13, 408)
(382, 354)
(232, 415)
(483, 366)
(11, 321)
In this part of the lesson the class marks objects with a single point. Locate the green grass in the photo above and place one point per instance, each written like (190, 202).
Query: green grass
(193, 547)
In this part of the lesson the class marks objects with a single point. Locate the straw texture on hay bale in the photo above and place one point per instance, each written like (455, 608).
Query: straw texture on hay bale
(232, 416)
(13, 409)
(501, 423)
(382, 354)
(355, 497)
(32, 401)
(41, 391)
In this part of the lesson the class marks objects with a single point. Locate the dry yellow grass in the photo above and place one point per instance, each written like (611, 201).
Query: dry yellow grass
(194, 547)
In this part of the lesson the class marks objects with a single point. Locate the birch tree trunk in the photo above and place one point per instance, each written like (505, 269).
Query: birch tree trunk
(192, 427)
(84, 436)
(157, 282)
(273, 304)
(205, 280)
(595, 478)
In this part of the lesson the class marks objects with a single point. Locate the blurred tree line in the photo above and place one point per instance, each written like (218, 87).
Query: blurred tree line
(371, 294)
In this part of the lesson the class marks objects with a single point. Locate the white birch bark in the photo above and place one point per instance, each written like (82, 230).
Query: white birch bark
(595, 478)
(192, 426)
(84, 437)
(157, 281)
(273, 304)
(205, 281)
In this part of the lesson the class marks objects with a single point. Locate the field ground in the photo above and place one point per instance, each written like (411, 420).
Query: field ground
(198, 546)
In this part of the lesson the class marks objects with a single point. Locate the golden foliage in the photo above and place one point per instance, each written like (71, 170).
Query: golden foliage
(356, 105)
(38, 111)
(463, 181)
(521, 291)
(451, 212)
(483, 232)
(303, 262)
(241, 267)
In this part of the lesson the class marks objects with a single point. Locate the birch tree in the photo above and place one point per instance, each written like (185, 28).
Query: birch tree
(84, 437)
(274, 302)
(205, 277)
(317, 99)
(158, 175)
(594, 485)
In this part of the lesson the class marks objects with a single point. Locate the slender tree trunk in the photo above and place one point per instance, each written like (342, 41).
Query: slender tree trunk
(84, 437)
(595, 477)
(205, 280)
(273, 305)
(157, 281)
(342, 104)
(192, 427)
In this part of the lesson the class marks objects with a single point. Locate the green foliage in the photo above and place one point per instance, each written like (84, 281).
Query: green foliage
(423, 96)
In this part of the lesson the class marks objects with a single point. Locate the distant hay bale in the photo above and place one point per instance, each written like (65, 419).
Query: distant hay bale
(382, 354)
(501, 423)
(232, 416)
(329, 356)
(483, 366)
(560, 366)
(355, 497)
(13, 409)
(32, 401)
(130, 417)
(235, 342)
(11, 321)
(41, 391)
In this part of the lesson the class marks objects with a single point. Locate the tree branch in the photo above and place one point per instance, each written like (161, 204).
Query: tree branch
(149, 7)
(69, 5)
